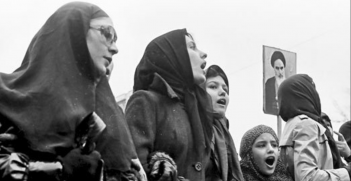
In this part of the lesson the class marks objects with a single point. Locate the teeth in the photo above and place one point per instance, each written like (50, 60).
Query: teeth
(221, 101)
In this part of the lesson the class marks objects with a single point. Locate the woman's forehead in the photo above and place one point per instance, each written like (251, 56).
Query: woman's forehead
(217, 79)
(265, 137)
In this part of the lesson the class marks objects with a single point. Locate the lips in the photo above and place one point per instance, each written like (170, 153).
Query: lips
(222, 102)
(203, 65)
(270, 160)
(109, 59)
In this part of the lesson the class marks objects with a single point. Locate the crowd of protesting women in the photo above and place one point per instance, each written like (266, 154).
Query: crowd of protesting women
(59, 119)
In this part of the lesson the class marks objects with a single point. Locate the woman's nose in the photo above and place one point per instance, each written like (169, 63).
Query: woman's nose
(113, 48)
(270, 148)
(203, 55)
(221, 92)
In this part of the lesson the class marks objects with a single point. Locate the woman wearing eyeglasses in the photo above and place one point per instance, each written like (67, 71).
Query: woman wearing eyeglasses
(58, 102)
(168, 113)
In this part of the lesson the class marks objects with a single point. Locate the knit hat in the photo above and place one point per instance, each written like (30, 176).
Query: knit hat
(248, 166)
(250, 136)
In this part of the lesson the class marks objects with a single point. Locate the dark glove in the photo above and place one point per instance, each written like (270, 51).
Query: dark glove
(162, 167)
(13, 166)
(114, 175)
(78, 166)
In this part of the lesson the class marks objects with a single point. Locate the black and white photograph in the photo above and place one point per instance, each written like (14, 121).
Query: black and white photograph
(176, 90)
(277, 66)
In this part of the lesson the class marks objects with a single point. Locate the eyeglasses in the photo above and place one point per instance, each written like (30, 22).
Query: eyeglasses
(108, 32)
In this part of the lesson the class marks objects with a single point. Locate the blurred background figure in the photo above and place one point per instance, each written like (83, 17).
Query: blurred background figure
(345, 130)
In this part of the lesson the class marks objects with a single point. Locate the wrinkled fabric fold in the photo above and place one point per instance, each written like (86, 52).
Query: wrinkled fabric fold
(58, 85)
(167, 56)
(297, 95)
(226, 151)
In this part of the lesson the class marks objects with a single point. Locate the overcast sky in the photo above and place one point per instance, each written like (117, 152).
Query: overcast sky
(232, 33)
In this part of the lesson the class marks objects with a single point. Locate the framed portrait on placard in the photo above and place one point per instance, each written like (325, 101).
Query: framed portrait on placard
(278, 65)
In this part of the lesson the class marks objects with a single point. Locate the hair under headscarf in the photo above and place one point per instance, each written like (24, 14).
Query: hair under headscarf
(325, 117)
(249, 168)
(168, 57)
(58, 85)
(297, 95)
(214, 71)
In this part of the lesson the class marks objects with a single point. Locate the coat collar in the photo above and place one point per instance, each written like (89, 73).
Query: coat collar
(160, 85)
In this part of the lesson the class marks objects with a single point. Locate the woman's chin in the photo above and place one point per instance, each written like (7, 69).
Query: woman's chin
(220, 113)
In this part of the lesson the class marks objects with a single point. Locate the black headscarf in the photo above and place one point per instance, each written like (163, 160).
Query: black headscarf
(297, 95)
(57, 85)
(167, 56)
(224, 148)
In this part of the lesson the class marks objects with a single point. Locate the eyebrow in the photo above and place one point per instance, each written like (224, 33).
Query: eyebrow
(213, 82)
(217, 83)
(265, 141)
(192, 42)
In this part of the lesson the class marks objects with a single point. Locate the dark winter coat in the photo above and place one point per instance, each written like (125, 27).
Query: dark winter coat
(57, 86)
(158, 122)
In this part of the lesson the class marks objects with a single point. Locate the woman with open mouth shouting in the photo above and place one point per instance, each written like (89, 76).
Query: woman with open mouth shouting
(224, 157)
(169, 114)
(259, 155)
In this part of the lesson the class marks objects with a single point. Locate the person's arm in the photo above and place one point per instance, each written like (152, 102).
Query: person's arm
(141, 119)
(141, 114)
(306, 150)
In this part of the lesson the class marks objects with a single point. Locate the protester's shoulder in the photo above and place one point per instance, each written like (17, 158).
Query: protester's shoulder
(149, 96)
(306, 125)
(306, 121)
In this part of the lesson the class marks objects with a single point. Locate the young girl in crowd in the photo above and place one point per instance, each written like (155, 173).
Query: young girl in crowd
(260, 156)
(60, 83)
(224, 163)
(169, 114)
(308, 148)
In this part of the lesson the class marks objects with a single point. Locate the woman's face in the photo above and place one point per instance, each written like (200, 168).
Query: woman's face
(218, 90)
(265, 153)
(197, 61)
(101, 43)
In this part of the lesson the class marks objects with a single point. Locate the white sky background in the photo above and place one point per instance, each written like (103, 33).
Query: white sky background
(232, 33)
